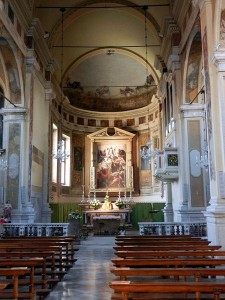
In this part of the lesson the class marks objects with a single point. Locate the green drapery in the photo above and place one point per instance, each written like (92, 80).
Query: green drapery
(60, 211)
(140, 213)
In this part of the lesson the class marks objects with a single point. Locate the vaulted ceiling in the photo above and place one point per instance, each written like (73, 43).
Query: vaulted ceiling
(104, 49)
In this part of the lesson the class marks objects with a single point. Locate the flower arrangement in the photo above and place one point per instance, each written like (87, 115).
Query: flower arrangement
(119, 203)
(75, 215)
(95, 203)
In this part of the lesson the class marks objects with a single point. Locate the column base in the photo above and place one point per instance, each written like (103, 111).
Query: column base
(168, 213)
(215, 226)
(26, 215)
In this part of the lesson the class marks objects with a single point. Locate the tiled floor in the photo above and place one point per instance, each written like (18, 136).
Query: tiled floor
(88, 278)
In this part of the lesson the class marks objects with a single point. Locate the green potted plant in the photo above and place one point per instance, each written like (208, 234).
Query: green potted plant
(119, 203)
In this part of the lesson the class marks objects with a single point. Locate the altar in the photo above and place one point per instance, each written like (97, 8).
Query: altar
(107, 221)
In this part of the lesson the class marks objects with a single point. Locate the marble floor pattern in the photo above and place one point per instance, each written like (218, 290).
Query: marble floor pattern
(88, 278)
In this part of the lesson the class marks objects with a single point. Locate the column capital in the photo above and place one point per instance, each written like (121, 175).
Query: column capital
(219, 60)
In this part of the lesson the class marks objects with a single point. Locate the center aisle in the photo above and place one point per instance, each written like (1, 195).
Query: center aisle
(88, 278)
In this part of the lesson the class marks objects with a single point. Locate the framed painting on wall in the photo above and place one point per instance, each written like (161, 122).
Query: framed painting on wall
(78, 158)
(110, 160)
(111, 165)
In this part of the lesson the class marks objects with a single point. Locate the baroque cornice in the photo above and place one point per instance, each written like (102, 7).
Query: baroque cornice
(169, 27)
(37, 32)
(23, 13)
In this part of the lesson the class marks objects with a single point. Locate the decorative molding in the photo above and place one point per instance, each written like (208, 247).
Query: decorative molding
(193, 110)
(219, 60)
(104, 133)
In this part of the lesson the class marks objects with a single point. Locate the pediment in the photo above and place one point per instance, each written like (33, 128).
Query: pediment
(111, 133)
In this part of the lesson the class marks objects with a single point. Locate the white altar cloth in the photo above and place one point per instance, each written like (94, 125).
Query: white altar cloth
(106, 217)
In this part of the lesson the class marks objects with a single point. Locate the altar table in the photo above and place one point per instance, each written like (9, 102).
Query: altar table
(124, 215)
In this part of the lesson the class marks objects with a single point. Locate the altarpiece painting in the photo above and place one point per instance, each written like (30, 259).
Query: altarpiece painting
(111, 160)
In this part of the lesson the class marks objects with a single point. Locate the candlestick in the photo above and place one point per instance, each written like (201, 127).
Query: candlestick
(83, 186)
(83, 176)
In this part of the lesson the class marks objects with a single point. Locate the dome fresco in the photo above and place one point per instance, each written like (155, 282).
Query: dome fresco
(105, 52)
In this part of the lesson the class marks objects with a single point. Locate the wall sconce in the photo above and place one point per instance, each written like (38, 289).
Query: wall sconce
(204, 158)
(201, 160)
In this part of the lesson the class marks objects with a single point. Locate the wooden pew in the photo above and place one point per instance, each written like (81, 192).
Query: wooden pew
(197, 273)
(166, 248)
(31, 263)
(44, 281)
(160, 287)
(15, 273)
(70, 251)
(158, 237)
(167, 242)
(51, 250)
(169, 254)
(53, 270)
(62, 265)
(161, 260)
(167, 262)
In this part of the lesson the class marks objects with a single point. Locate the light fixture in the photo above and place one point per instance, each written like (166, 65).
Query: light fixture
(61, 154)
(110, 51)
(3, 161)
(204, 162)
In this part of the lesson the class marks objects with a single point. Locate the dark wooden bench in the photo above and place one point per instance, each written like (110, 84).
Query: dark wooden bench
(69, 250)
(177, 288)
(159, 243)
(166, 248)
(167, 262)
(31, 263)
(15, 272)
(61, 261)
(176, 273)
(169, 254)
(158, 237)
(44, 281)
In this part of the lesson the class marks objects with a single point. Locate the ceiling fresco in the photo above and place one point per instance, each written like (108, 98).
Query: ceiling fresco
(105, 50)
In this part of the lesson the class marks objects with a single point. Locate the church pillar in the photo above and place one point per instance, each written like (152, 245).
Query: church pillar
(168, 209)
(16, 189)
(215, 107)
(215, 213)
(195, 196)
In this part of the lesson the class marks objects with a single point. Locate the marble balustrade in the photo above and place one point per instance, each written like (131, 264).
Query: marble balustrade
(173, 228)
(36, 229)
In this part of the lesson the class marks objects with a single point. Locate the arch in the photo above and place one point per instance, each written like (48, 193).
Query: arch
(123, 51)
(70, 14)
